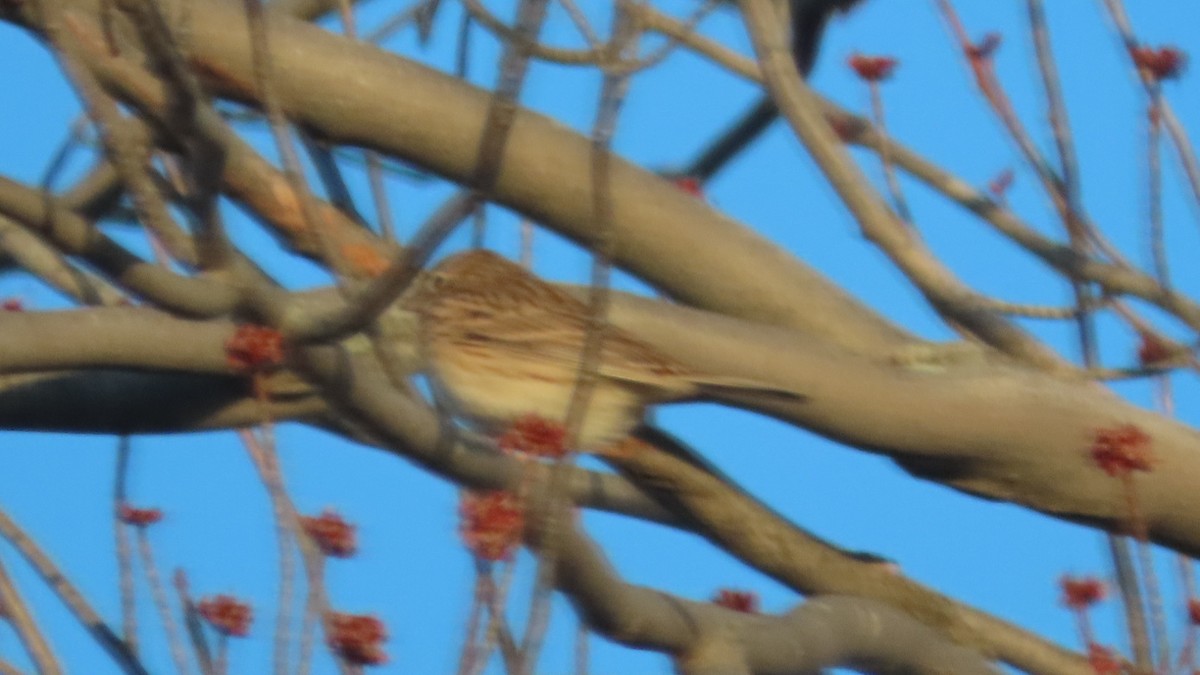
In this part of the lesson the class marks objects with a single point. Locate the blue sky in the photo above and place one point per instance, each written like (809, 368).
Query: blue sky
(412, 571)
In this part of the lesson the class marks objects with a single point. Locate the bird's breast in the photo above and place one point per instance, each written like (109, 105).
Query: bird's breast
(492, 392)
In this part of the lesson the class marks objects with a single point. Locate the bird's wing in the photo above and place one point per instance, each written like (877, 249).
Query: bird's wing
(542, 334)
(554, 332)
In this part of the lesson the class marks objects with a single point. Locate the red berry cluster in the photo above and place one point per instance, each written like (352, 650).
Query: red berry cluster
(872, 68)
(1121, 450)
(739, 601)
(535, 436)
(492, 523)
(1081, 593)
(985, 48)
(138, 517)
(1152, 350)
(356, 638)
(254, 348)
(365, 259)
(1193, 608)
(999, 185)
(846, 127)
(690, 184)
(1164, 63)
(226, 614)
(334, 536)
(1104, 660)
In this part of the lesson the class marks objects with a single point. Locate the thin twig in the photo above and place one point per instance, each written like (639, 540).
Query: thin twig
(979, 58)
(310, 553)
(1187, 581)
(203, 154)
(623, 46)
(1179, 137)
(1065, 192)
(14, 610)
(686, 28)
(221, 662)
(261, 448)
(308, 626)
(498, 623)
(804, 113)
(265, 80)
(323, 158)
(1158, 254)
(70, 596)
(495, 632)
(1069, 184)
(889, 171)
(1154, 218)
(366, 305)
(63, 155)
(581, 648)
(124, 141)
(398, 21)
(1158, 617)
(1116, 278)
(383, 210)
(470, 651)
(49, 264)
(581, 23)
(501, 113)
(124, 550)
(159, 592)
(195, 629)
(515, 37)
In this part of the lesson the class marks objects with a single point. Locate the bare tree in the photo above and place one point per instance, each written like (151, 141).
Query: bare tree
(203, 336)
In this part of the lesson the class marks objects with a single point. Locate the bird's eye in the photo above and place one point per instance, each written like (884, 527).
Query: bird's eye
(436, 281)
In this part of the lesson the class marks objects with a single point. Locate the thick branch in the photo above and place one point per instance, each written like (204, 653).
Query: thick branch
(752, 533)
(131, 402)
(1001, 431)
(435, 121)
(73, 235)
(703, 638)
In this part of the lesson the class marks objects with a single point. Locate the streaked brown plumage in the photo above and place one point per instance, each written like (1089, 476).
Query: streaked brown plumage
(499, 343)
